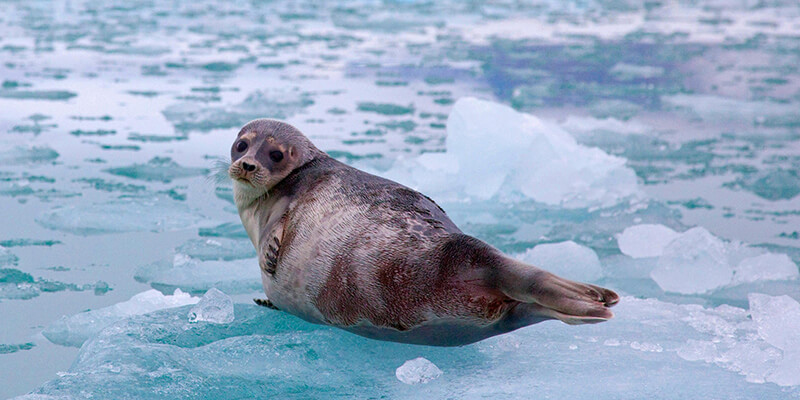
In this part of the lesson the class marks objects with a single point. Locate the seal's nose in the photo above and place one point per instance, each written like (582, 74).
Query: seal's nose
(248, 167)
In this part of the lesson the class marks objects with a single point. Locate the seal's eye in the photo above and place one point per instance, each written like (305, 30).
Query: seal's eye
(241, 146)
(276, 155)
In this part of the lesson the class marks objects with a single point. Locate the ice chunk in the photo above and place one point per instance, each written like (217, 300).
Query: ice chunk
(765, 267)
(698, 262)
(528, 157)
(76, 329)
(215, 307)
(778, 320)
(567, 259)
(695, 262)
(196, 277)
(418, 370)
(155, 214)
(161, 169)
(646, 240)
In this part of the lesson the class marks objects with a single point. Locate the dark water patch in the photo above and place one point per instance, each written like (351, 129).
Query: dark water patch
(123, 147)
(272, 65)
(58, 268)
(18, 285)
(531, 74)
(692, 204)
(28, 242)
(773, 184)
(106, 186)
(790, 235)
(386, 108)
(137, 137)
(55, 95)
(405, 125)
(144, 93)
(220, 66)
(391, 83)
(336, 111)
(98, 132)
(174, 194)
(13, 348)
(14, 84)
(350, 157)
(89, 118)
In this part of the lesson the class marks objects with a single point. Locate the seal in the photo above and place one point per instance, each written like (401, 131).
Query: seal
(342, 247)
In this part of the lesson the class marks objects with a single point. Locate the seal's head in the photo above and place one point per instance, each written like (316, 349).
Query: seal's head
(266, 151)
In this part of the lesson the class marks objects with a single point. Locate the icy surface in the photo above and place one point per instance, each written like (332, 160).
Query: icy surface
(76, 329)
(416, 371)
(215, 307)
(520, 154)
(567, 259)
(626, 113)
(196, 276)
(765, 267)
(155, 214)
(696, 261)
(217, 249)
(273, 354)
(646, 240)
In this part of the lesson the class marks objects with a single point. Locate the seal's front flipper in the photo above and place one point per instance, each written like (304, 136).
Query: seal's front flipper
(571, 302)
(270, 247)
(265, 303)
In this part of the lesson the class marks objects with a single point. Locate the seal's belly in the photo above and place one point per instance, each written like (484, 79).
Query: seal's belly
(295, 302)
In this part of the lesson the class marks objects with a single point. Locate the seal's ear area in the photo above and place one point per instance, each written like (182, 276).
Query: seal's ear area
(292, 153)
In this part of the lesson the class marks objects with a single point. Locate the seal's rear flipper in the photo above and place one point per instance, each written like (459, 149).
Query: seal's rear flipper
(265, 303)
(552, 296)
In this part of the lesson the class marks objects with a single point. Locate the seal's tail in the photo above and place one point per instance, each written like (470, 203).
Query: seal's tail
(552, 296)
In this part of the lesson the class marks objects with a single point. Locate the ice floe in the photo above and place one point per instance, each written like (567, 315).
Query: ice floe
(492, 149)
(75, 329)
(567, 259)
(652, 346)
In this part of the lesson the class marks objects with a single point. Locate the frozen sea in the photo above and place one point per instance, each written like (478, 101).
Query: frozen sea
(652, 147)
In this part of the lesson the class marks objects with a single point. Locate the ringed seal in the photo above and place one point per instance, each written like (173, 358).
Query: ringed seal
(341, 247)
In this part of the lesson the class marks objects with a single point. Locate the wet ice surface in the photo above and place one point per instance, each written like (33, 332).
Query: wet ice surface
(654, 348)
(113, 117)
